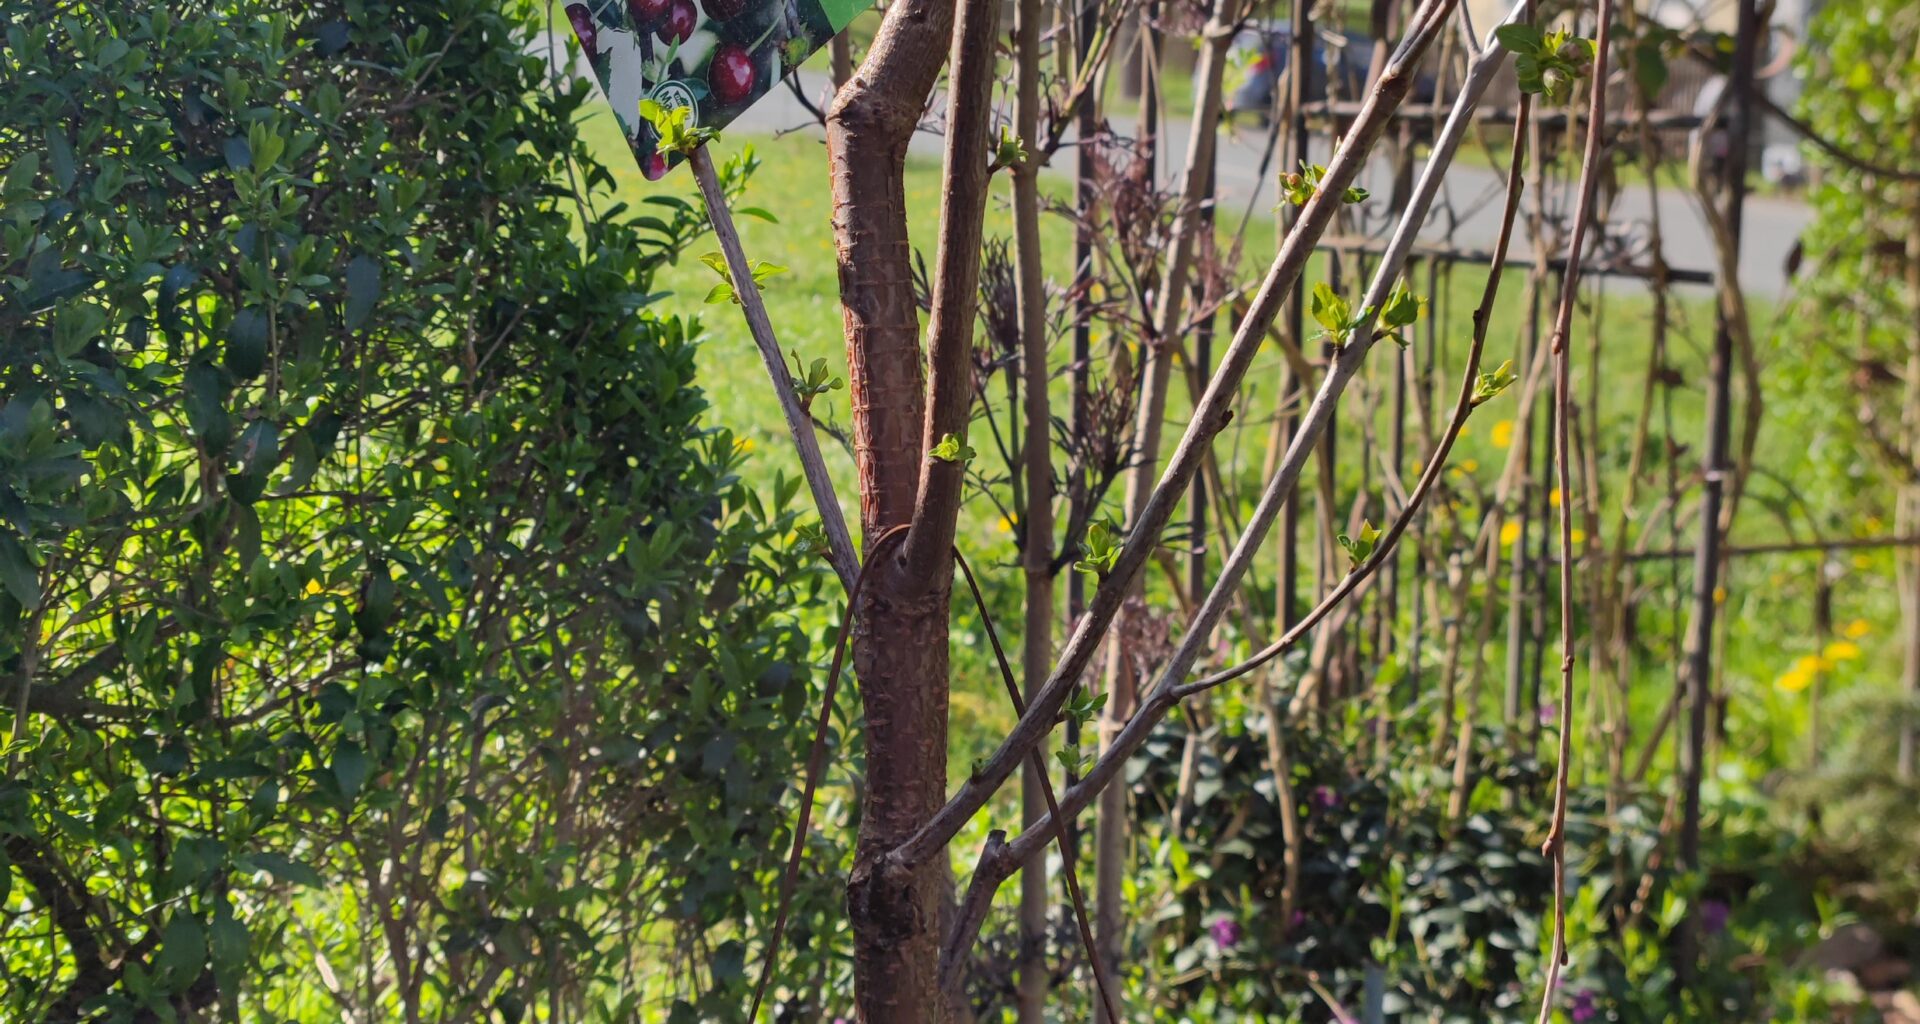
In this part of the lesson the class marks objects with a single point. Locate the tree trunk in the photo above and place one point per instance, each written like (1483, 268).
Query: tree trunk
(900, 635)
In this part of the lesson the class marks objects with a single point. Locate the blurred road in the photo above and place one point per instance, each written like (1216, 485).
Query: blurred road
(1467, 213)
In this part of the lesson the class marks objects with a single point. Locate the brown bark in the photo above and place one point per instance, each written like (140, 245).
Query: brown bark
(900, 640)
(956, 290)
(1036, 522)
(1908, 514)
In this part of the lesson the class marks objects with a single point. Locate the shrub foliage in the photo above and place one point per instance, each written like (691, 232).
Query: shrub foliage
(383, 635)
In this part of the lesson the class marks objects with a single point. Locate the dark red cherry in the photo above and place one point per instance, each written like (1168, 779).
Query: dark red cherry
(724, 10)
(731, 75)
(583, 27)
(647, 13)
(682, 18)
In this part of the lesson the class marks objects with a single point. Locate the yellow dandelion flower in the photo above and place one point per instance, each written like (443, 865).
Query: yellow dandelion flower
(1509, 533)
(1812, 663)
(1862, 562)
(1841, 650)
(352, 460)
(1719, 595)
(1856, 629)
(1466, 429)
(1793, 681)
(1874, 524)
(1502, 434)
(1579, 536)
(1553, 497)
(1005, 525)
(743, 445)
(1470, 466)
(313, 587)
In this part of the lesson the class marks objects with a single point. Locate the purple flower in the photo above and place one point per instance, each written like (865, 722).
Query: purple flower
(1549, 712)
(1298, 921)
(1325, 797)
(1226, 932)
(1713, 916)
(1585, 1006)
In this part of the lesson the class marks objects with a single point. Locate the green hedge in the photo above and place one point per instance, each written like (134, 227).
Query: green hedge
(383, 635)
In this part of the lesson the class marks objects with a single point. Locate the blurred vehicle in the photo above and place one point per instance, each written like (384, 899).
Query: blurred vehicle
(1345, 54)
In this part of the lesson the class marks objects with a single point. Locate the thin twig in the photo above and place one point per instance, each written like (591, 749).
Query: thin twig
(1556, 843)
(840, 550)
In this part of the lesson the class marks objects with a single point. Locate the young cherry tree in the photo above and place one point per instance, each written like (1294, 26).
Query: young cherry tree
(911, 401)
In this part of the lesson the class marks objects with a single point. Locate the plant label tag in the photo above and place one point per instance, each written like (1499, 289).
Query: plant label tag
(714, 57)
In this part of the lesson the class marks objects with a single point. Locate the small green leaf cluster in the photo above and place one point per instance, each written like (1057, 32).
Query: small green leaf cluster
(1100, 550)
(1335, 315)
(1300, 186)
(1492, 383)
(1081, 709)
(724, 290)
(673, 127)
(1547, 64)
(1360, 546)
(1338, 319)
(1008, 151)
(811, 380)
(812, 539)
(1402, 310)
(952, 449)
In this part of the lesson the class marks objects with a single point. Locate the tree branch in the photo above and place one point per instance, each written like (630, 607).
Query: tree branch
(840, 551)
(956, 290)
(1556, 844)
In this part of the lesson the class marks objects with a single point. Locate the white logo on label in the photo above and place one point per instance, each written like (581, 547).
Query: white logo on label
(675, 94)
